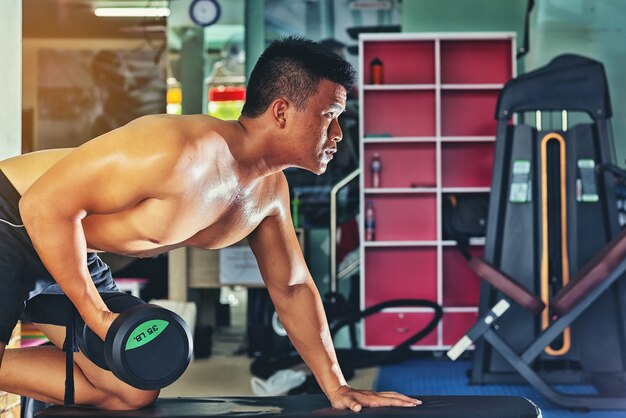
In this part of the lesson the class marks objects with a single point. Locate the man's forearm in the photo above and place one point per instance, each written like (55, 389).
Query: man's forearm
(302, 314)
(61, 246)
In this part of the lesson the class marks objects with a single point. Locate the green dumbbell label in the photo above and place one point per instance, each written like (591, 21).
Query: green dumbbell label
(145, 333)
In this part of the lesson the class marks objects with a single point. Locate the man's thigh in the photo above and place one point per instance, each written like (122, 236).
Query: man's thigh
(98, 377)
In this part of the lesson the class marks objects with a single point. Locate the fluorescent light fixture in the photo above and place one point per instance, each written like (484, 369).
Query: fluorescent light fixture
(132, 11)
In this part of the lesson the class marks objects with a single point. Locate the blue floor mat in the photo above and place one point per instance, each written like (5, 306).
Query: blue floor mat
(443, 377)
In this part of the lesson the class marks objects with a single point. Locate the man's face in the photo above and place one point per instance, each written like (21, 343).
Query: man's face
(317, 128)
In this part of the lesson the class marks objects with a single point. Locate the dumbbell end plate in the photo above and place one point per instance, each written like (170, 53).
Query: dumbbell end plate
(148, 347)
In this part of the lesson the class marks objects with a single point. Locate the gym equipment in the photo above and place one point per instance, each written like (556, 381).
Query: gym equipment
(554, 245)
(147, 346)
(303, 406)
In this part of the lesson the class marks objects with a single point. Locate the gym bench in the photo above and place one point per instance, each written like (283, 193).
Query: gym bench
(600, 272)
(303, 406)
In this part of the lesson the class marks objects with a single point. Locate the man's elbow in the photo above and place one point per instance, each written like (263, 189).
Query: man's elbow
(35, 210)
(28, 208)
(293, 289)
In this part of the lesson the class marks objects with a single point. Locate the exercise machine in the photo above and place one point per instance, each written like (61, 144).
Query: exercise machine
(551, 304)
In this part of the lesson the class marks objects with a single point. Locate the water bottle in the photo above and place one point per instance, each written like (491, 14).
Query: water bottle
(376, 167)
(376, 71)
(370, 222)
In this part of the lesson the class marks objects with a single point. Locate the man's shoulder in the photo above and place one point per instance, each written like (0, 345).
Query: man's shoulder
(277, 184)
(276, 193)
(183, 131)
(270, 194)
(190, 124)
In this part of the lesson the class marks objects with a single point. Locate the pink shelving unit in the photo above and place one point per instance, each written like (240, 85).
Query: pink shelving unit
(432, 123)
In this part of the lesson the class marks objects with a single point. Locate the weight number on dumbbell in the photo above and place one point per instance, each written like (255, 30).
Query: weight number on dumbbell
(145, 333)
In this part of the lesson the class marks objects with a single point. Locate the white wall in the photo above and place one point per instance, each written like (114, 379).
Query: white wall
(11, 76)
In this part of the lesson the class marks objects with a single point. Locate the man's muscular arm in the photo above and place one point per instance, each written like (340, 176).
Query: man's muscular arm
(299, 307)
(109, 174)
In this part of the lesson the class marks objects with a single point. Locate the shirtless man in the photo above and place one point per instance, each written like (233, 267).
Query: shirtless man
(164, 182)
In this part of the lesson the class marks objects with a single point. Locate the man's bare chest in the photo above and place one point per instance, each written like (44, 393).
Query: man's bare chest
(157, 225)
(232, 225)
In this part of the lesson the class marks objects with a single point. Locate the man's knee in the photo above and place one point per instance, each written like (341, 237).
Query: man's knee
(137, 399)
(131, 400)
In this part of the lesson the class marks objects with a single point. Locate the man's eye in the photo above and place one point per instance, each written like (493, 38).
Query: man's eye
(329, 115)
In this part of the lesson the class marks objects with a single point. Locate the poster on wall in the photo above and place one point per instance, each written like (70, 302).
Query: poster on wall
(82, 94)
(336, 24)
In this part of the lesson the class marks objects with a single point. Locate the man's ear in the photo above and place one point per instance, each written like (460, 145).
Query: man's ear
(279, 109)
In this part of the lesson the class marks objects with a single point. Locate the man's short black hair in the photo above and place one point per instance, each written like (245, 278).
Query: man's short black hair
(292, 68)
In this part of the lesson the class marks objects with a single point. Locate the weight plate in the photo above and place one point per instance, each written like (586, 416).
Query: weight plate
(149, 348)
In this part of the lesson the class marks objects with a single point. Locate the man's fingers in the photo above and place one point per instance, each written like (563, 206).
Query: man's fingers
(355, 406)
(356, 400)
(377, 400)
(400, 396)
(349, 402)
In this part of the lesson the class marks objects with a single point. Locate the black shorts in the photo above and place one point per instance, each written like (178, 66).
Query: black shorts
(22, 274)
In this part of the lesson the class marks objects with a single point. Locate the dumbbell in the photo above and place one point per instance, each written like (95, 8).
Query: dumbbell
(147, 346)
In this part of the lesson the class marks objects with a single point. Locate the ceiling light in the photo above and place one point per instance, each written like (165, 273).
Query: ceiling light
(131, 11)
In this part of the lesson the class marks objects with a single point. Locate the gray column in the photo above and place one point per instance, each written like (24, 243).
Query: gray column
(192, 71)
(255, 32)
(11, 76)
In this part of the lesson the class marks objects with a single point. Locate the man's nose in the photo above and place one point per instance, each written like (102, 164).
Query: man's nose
(336, 133)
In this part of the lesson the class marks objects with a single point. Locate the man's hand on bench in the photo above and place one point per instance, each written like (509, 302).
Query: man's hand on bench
(355, 399)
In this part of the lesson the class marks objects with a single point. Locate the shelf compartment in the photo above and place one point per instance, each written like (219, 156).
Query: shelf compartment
(472, 86)
(455, 325)
(391, 329)
(405, 217)
(404, 165)
(403, 62)
(399, 113)
(373, 87)
(398, 139)
(476, 61)
(468, 112)
(467, 138)
(400, 190)
(379, 244)
(400, 273)
(460, 285)
(466, 164)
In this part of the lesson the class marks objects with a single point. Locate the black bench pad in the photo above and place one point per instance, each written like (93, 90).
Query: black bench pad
(303, 406)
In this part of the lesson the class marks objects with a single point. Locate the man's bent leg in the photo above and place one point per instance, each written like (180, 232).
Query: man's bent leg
(119, 395)
(39, 373)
